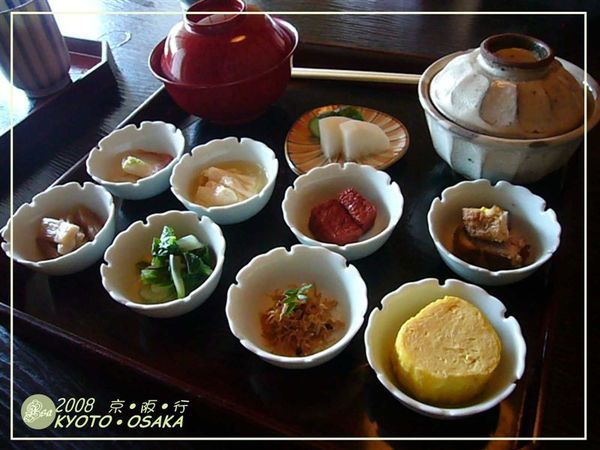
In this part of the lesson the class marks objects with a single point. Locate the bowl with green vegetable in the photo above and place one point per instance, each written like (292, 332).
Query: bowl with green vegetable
(135, 162)
(165, 266)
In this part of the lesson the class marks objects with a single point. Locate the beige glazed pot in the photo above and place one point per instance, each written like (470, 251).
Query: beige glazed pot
(508, 110)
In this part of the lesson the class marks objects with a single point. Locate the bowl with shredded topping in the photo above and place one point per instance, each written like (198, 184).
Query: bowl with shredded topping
(297, 308)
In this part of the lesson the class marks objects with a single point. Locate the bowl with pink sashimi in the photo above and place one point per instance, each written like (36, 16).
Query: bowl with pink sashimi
(135, 163)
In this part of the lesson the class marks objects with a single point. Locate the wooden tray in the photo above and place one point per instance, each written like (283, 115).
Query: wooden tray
(197, 353)
(41, 123)
(92, 71)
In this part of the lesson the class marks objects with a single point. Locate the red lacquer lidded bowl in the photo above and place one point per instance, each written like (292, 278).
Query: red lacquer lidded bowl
(226, 67)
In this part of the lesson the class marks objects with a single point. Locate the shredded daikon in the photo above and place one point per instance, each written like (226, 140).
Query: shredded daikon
(308, 329)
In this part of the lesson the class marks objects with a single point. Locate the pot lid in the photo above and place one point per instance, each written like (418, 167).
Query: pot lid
(208, 48)
(511, 87)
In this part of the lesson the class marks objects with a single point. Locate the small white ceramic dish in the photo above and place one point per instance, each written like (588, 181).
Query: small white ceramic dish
(53, 202)
(527, 215)
(248, 298)
(406, 302)
(157, 137)
(303, 150)
(120, 275)
(218, 151)
(324, 183)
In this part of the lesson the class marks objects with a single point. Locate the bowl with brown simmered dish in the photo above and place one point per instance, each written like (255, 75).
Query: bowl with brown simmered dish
(492, 234)
(63, 230)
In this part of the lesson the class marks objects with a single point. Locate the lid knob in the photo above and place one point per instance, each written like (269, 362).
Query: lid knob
(516, 51)
(204, 17)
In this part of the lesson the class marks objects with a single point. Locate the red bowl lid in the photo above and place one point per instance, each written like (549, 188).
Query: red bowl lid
(208, 48)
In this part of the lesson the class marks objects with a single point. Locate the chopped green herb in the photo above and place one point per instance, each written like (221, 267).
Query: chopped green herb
(293, 297)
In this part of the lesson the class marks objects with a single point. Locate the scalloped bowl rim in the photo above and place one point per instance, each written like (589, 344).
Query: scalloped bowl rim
(141, 224)
(500, 185)
(211, 209)
(145, 180)
(448, 412)
(334, 167)
(32, 204)
(282, 252)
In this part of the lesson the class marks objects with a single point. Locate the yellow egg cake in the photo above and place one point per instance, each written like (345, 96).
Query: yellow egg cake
(446, 353)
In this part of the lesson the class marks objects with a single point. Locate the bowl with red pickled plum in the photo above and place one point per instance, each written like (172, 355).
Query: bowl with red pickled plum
(350, 209)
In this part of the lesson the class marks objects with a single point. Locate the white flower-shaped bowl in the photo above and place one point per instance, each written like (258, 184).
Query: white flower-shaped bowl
(159, 137)
(325, 183)
(120, 276)
(248, 297)
(53, 202)
(527, 215)
(404, 303)
(218, 151)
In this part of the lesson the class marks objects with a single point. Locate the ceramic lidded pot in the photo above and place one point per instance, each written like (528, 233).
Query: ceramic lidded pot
(227, 67)
(508, 109)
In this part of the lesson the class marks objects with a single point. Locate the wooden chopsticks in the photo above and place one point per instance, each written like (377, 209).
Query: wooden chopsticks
(355, 75)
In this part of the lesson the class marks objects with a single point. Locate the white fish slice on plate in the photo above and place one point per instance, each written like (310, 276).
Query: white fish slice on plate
(361, 139)
(331, 136)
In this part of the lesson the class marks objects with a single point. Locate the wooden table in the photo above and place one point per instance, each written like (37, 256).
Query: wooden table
(37, 369)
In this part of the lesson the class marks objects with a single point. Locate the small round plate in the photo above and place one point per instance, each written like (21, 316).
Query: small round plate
(303, 150)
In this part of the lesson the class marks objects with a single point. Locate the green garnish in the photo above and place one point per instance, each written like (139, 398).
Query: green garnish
(349, 111)
(178, 267)
(345, 111)
(293, 297)
(136, 166)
